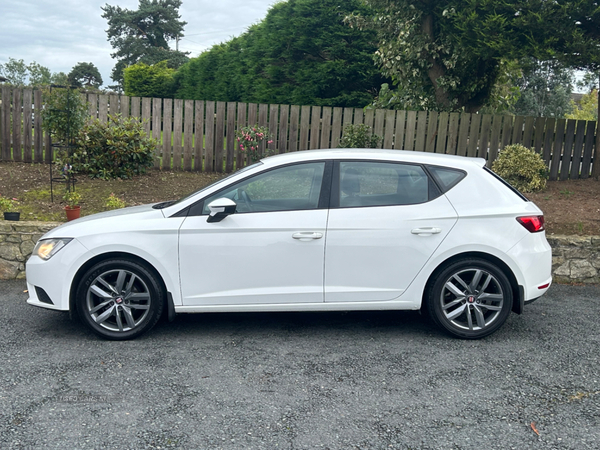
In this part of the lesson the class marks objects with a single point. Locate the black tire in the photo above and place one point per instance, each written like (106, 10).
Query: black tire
(119, 299)
(470, 298)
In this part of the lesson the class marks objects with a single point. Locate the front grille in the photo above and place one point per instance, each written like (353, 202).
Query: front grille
(42, 296)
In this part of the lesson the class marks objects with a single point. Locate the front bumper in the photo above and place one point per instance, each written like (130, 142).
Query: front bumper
(54, 277)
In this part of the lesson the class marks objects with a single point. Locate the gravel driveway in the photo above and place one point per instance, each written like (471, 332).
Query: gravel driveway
(303, 381)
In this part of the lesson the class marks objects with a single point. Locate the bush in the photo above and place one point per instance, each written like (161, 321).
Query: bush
(64, 114)
(358, 136)
(119, 148)
(521, 167)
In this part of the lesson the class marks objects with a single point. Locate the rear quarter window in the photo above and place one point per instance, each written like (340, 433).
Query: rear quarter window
(446, 177)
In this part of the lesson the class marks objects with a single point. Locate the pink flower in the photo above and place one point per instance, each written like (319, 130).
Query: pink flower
(269, 142)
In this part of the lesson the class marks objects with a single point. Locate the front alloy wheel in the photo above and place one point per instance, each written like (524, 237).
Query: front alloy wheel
(119, 299)
(470, 299)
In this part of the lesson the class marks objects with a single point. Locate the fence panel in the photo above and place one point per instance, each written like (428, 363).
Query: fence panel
(315, 126)
(198, 135)
(557, 150)
(177, 133)
(38, 133)
(283, 128)
(5, 126)
(565, 161)
(411, 122)
(188, 135)
(27, 125)
(474, 135)
(294, 119)
(209, 132)
(156, 128)
(167, 134)
(230, 132)
(17, 120)
(241, 123)
(440, 146)
(194, 139)
(336, 127)
(577, 150)
(463, 134)
(432, 127)
(421, 131)
(220, 136)
(588, 149)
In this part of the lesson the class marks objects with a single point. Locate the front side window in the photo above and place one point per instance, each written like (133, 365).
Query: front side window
(381, 184)
(287, 188)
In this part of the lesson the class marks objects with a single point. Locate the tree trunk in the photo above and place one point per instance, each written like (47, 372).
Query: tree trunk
(437, 69)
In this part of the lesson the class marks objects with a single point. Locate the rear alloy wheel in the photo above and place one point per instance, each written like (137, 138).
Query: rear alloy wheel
(119, 299)
(471, 298)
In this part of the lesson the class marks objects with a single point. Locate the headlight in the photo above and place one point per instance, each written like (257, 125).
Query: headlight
(47, 248)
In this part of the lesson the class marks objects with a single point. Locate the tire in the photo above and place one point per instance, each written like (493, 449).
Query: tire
(119, 299)
(470, 298)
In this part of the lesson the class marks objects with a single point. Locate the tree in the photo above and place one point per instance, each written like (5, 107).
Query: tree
(587, 108)
(143, 35)
(579, 46)
(446, 55)
(141, 80)
(545, 89)
(20, 74)
(15, 72)
(301, 53)
(85, 75)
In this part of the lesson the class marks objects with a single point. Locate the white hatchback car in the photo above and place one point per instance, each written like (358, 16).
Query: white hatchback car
(325, 230)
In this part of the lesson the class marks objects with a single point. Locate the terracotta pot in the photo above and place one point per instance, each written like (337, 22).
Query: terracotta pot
(73, 212)
(12, 216)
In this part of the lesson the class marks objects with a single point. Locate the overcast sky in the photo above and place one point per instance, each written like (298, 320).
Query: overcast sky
(59, 34)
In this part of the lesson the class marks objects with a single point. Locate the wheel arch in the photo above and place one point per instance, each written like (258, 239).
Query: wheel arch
(113, 255)
(517, 290)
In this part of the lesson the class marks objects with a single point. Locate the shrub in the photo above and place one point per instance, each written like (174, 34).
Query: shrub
(64, 114)
(521, 167)
(358, 136)
(114, 202)
(7, 204)
(119, 148)
(249, 139)
(72, 198)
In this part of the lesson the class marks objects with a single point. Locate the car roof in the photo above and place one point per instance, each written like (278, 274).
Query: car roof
(461, 162)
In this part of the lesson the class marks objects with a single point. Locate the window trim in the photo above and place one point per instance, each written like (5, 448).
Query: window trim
(195, 209)
(335, 183)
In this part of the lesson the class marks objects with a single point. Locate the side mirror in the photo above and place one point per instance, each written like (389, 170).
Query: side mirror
(220, 208)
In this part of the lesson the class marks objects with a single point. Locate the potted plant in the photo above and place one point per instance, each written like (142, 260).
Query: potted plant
(72, 208)
(8, 206)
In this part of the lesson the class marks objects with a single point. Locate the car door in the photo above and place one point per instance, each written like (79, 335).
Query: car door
(385, 222)
(270, 251)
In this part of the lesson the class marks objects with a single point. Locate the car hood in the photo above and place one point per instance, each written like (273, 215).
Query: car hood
(106, 220)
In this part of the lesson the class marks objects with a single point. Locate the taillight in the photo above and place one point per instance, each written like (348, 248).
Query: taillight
(532, 223)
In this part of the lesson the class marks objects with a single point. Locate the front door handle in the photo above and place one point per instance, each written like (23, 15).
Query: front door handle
(307, 235)
(426, 231)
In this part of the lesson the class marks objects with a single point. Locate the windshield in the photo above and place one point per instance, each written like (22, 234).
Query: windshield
(245, 169)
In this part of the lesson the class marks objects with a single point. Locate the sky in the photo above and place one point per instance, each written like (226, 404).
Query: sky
(58, 34)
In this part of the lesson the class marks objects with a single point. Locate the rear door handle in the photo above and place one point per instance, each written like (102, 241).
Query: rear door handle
(307, 235)
(426, 231)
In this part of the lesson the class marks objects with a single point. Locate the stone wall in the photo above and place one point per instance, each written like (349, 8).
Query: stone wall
(17, 240)
(575, 259)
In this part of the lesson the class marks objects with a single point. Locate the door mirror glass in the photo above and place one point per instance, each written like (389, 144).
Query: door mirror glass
(220, 208)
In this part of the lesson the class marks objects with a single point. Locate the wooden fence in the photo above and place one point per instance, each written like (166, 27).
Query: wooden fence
(200, 135)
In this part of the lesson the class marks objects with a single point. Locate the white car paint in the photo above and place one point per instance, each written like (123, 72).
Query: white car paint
(351, 259)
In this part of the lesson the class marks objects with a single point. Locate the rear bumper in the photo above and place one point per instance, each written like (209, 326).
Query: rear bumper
(533, 256)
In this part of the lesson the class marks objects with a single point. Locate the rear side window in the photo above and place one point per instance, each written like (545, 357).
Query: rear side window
(364, 183)
(446, 177)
